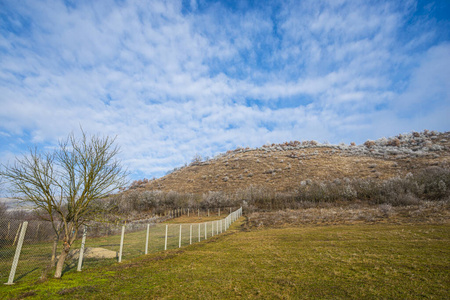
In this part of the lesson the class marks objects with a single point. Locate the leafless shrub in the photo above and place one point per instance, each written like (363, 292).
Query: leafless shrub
(385, 209)
(215, 199)
(196, 160)
(424, 212)
(369, 144)
(138, 184)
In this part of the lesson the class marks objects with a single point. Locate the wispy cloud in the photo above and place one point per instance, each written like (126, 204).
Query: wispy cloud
(172, 79)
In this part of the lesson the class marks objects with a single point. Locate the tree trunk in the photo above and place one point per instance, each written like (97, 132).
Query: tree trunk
(62, 258)
(54, 248)
(50, 266)
(60, 264)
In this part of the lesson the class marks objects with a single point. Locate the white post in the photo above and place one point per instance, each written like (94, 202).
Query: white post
(190, 235)
(17, 254)
(179, 244)
(165, 242)
(217, 226)
(80, 258)
(121, 243)
(17, 234)
(206, 232)
(212, 228)
(199, 229)
(146, 239)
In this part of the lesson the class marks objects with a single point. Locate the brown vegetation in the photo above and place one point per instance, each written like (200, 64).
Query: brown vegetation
(354, 213)
(400, 171)
(282, 167)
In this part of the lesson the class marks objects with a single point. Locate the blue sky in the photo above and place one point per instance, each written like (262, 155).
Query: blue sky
(177, 78)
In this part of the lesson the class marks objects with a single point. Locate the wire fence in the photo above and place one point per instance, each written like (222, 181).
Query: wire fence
(26, 247)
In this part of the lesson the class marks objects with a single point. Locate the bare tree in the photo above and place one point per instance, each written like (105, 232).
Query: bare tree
(65, 182)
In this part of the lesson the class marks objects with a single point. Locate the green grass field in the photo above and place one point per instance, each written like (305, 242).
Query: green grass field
(311, 262)
(35, 256)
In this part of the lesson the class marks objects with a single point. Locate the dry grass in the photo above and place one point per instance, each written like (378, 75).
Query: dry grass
(283, 168)
(332, 214)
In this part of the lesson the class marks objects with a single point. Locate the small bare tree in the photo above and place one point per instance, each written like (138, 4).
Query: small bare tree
(65, 182)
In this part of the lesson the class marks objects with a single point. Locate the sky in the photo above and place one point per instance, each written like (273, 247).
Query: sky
(175, 79)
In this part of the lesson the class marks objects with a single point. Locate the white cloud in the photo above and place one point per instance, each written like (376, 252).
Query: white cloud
(171, 84)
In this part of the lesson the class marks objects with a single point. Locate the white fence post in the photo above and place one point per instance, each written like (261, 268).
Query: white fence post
(190, 235)
(121, 243)
(146, 239)
(212, 228)
(179, 244)
(199, 232)
(206, 232)
(17, 233)
(165, 241)
(80, 258)
(17, 254)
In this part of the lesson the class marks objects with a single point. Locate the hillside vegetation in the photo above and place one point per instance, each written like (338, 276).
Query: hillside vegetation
(397, 171)
(283, 167)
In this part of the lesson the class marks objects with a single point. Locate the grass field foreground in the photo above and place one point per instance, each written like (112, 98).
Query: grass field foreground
(310, 262)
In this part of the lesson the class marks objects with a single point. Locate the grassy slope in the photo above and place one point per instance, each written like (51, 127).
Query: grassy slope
(358, 261)
(283, 170)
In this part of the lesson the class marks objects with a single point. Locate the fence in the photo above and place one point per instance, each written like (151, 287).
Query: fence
(26, 247)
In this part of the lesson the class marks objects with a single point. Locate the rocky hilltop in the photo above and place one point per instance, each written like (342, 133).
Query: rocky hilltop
(283, 167)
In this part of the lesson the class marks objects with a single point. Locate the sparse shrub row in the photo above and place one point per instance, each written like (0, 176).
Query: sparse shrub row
(435, 212)
(412, 144)
(432, 183)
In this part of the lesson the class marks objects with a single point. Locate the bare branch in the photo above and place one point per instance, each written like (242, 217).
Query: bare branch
(65, 182)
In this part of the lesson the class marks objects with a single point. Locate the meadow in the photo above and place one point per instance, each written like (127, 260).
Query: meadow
(370, 261)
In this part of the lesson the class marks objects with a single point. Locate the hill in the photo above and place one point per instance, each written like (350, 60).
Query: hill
(283, 167)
